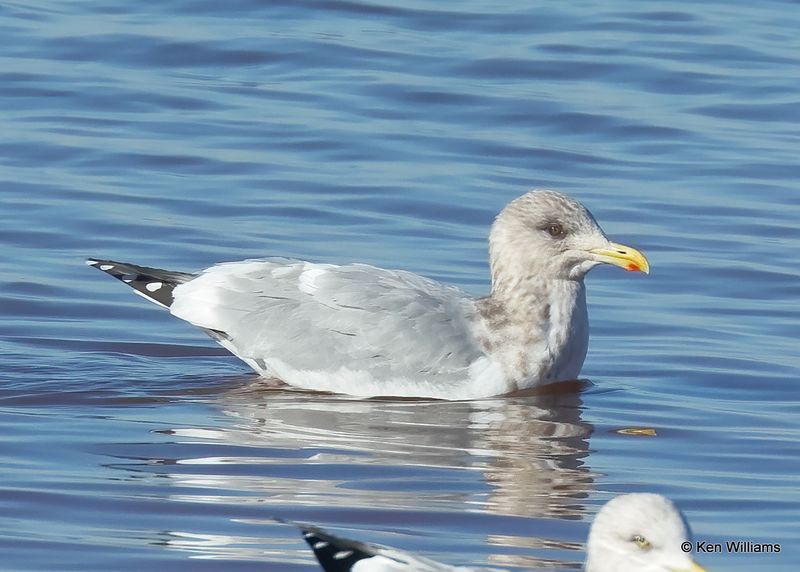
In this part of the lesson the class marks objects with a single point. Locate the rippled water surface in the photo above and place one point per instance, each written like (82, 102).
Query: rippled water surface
(182, 133)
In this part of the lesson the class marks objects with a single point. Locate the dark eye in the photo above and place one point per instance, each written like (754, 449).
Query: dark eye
(641, 542)
(555, 230)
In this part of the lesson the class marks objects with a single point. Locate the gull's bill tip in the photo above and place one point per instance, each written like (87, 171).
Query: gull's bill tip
(623, 256)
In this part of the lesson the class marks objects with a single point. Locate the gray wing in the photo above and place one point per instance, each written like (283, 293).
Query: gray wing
(307, 317)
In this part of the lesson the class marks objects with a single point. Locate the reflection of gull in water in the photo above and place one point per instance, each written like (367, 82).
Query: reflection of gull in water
(368, 331)
(519, 461)
(639, 532)
(528, 451)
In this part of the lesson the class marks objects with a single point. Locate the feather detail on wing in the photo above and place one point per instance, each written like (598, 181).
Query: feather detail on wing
(294, 316)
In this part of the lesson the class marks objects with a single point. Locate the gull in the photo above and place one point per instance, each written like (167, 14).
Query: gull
(637, 532)
(367, 331)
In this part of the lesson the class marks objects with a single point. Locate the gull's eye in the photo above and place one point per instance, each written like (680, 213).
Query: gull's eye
(555, 230)
(641, 542)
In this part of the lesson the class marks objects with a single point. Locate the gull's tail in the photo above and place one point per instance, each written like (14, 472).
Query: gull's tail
(153, 284)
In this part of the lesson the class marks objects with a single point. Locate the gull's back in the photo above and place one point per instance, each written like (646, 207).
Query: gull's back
(353, 329)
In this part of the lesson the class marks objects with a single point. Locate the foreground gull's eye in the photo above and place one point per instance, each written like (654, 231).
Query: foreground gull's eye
(555, 230)
(641, 542)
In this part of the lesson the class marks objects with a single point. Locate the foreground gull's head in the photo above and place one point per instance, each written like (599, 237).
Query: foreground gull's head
(638, 532)
(547, 235)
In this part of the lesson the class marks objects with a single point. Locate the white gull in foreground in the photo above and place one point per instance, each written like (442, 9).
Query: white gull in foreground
(368, 331)
(639, 532)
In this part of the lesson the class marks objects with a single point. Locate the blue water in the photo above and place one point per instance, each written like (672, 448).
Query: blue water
(183, 133)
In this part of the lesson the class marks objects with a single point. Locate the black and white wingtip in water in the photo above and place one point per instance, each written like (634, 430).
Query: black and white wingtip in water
(336, 554)
(154, 284)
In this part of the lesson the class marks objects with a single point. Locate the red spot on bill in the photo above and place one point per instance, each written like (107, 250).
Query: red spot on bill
(633, 267)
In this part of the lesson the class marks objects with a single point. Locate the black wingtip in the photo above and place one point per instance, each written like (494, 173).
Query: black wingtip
(335, 554)
(154, 284)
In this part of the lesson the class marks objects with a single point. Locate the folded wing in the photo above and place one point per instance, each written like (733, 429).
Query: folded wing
(290, 318)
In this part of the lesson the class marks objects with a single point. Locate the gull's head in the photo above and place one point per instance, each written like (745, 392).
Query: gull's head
(639, 532)
(545, 234)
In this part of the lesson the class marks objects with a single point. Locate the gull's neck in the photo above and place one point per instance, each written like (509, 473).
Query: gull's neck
(537, 329)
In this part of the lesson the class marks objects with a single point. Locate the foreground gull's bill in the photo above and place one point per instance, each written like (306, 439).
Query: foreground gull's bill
(368, 331)
(638, 532)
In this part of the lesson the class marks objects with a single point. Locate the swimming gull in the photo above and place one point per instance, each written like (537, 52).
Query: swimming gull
(637, 532)
(368, 331)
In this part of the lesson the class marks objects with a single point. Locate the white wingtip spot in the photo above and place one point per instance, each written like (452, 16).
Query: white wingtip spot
(342, 555)
(106, 266)
(308, 535)
(320, 545)
(91, 262)
(152, 286)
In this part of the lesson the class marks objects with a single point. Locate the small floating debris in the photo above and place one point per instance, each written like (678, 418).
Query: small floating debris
(637, 431)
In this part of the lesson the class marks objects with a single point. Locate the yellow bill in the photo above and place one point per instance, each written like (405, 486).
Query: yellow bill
(625, 257)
